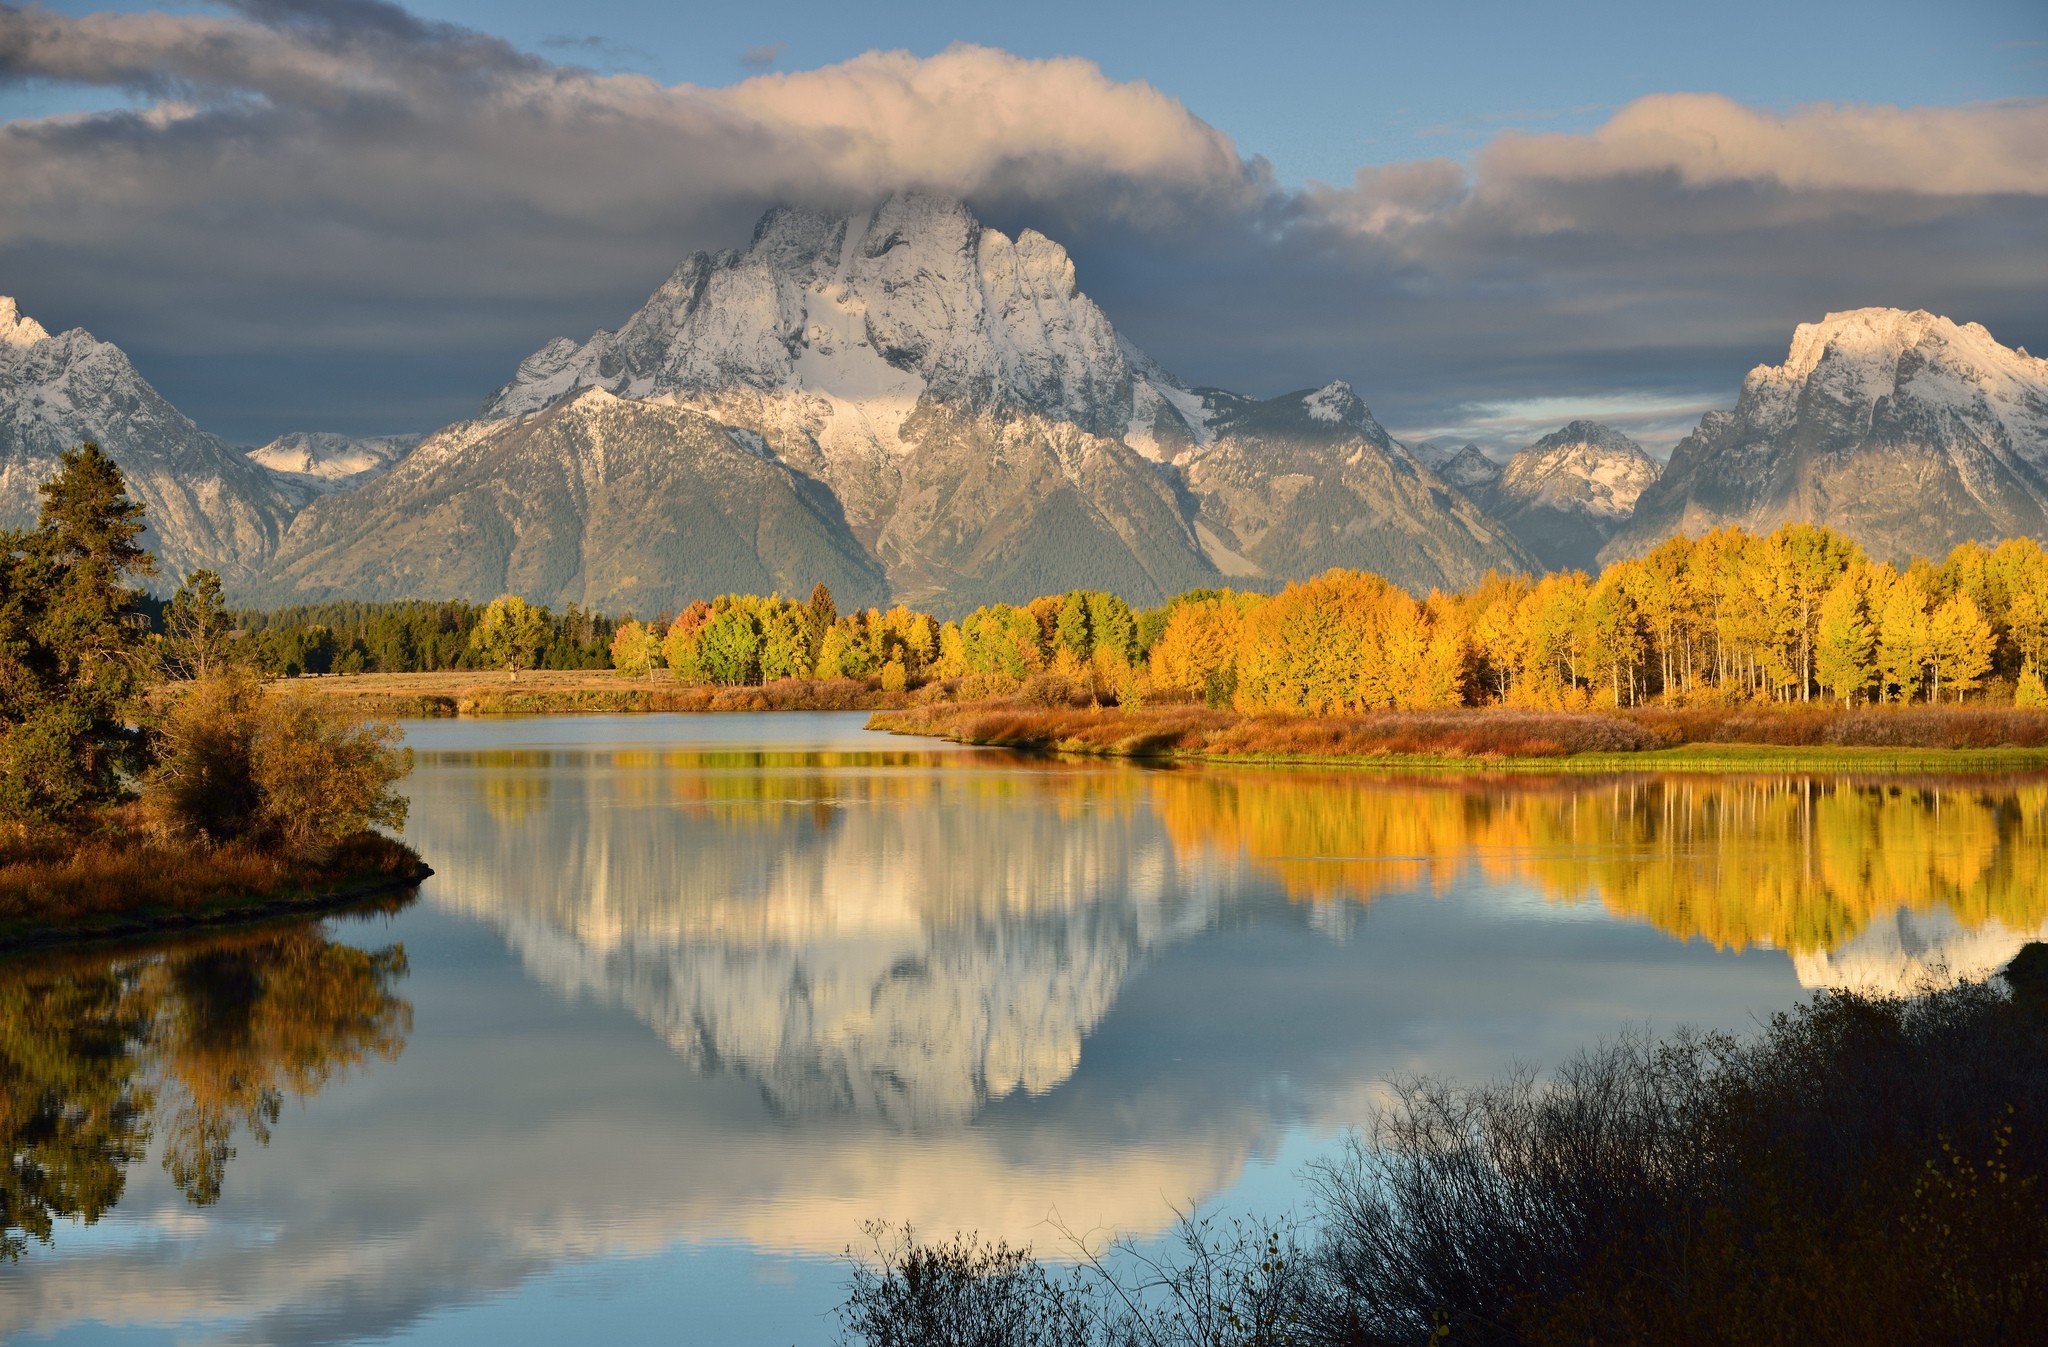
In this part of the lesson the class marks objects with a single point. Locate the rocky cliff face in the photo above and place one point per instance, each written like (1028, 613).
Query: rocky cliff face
(1566, 495)
(1297, 484)
(977, 428)
(1907, 431)
(208, 505)
(619, 505)
(1467, 468)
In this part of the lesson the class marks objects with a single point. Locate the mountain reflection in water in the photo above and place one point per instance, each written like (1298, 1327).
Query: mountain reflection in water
(687, 1005)
(910, 936)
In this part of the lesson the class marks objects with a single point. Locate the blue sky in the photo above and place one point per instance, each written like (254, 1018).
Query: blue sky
(300, 254)
(1319, 88)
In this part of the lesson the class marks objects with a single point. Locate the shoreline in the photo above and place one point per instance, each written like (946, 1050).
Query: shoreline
(1401, 742)
(367, 885)
(456, 694)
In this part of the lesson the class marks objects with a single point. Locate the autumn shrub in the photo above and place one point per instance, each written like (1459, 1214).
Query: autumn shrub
(1052, 689)
(1865, 1169)
(202, 786)
(321, 777)
(1809, 725)
(236, 761)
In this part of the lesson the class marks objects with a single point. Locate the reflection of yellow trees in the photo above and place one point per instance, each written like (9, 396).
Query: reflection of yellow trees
(193, 1043)
(1800, 863)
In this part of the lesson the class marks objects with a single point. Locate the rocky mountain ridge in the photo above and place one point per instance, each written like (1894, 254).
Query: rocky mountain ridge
(316, 462)
(207, 504)
(1908, 431)
(980, 427)
(909, 405)
(1566, 494)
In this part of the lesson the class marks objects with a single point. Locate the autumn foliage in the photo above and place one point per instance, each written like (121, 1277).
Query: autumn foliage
(1797, 617)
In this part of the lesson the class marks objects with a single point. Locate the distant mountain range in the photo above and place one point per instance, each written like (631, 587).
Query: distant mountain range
(910, 406)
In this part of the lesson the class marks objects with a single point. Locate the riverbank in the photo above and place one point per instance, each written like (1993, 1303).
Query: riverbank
(118, 884)
(471, 692)
(1748, 739)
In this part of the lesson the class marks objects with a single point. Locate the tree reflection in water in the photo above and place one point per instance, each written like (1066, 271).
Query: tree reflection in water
(190, 1044)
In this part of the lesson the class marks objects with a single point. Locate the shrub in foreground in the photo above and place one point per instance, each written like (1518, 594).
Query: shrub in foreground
(1864, 1170)
(238, 761)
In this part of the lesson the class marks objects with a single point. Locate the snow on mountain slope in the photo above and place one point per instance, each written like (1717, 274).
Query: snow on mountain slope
(1565, 495)
(875, 310)
(1468, 469)
(320, 461)
(208, 506)
(1906, 430)
(1299, 483)
(1584, 468)
(981, 429)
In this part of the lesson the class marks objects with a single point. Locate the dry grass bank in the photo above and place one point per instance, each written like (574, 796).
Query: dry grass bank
(471, 692)
(118, 880)
(1484, 735)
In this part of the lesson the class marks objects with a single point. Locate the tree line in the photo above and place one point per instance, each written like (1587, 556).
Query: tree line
(413, 636)
(1796, 615)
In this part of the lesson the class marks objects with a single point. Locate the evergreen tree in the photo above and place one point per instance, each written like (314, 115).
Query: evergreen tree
(1072, 631)
(71, 636)
(197, 628)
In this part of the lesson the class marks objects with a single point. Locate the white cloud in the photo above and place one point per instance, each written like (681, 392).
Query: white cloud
(329, 177)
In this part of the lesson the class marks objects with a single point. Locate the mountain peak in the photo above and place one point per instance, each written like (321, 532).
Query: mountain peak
(16, 328)
(1335, 403)
(1592, 433)
(1469, 469)
(1906, 430)
(850, 321)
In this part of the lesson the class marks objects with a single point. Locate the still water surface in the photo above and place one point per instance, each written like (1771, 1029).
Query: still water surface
(690, 998)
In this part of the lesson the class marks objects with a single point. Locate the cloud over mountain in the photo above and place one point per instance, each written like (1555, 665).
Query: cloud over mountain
(299, 181)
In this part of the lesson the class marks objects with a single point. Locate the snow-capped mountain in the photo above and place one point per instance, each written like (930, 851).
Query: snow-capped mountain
(868, 313)
(627, 506)
(1468, 469)
(1907, 431)
(1565, 495)
(1297, 484)
(208, 506)
(979, 430)
(319, 461)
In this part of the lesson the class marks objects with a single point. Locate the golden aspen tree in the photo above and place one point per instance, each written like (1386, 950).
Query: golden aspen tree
(1903, 637)
(1554, 636)
(1844, 643)
(2029, 693)
(636, 650)
(1447, 660)
(1617, 640)
(951, 661)
(1497, 641)
(1959, 647)
(1322, 646)
(1197, 653)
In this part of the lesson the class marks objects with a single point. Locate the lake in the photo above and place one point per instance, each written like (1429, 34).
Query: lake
(690, 998)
